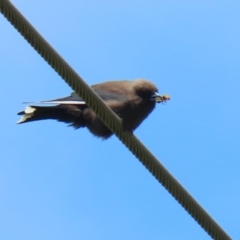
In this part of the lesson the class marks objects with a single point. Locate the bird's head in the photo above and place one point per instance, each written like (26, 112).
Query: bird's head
(149, 92)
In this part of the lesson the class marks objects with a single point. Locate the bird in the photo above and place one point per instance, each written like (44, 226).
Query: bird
(132, 101)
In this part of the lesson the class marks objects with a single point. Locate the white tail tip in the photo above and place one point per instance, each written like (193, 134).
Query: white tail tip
(28, 113)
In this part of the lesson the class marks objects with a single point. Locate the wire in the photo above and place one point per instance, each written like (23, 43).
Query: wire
(111, 120)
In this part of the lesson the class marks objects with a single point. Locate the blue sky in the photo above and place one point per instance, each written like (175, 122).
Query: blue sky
(60, 183)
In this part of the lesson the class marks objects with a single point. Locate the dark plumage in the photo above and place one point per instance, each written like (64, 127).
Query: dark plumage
(132, 101)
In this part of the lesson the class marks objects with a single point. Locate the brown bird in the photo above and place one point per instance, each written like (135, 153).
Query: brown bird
(132, 101)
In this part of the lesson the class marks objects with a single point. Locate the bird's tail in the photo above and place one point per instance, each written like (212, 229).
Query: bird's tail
(63, 113)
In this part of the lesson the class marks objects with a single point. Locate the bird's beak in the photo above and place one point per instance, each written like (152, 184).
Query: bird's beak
(160, 98)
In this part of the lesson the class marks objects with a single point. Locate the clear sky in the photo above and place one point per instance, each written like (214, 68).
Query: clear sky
(60, 183)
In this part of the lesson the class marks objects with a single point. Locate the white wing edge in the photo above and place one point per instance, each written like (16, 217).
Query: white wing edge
(57, 102)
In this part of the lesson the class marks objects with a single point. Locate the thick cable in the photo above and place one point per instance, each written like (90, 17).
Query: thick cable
(111, 120)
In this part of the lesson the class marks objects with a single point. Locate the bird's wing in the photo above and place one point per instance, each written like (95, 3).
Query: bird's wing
(110, 96)
(74, 99)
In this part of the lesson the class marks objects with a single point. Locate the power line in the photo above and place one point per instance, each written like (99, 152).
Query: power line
(111, 120)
